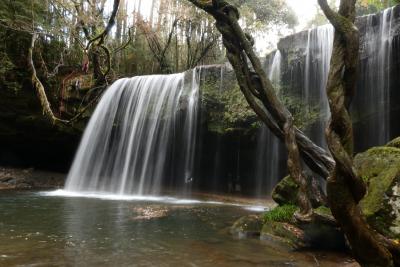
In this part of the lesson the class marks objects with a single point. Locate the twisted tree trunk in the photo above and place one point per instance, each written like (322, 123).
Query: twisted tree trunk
(260, 95)
(345, 189)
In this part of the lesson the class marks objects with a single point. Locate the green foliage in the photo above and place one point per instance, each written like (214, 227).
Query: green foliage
(262, 14)
(261, 17)
(363, 7)
(373, 6)
(24, 14)
(280, 214)
(304, 115)
(5, 64)
(226, 106)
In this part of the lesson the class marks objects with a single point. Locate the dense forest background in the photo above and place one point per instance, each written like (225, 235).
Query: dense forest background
(75, 47)
(76, 55)
(168, 36)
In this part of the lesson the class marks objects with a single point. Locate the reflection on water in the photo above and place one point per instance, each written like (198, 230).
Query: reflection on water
(38, 230)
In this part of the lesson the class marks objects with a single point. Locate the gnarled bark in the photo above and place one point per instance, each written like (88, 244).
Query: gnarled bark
(345, 189)
(260, 95)
(255, 85)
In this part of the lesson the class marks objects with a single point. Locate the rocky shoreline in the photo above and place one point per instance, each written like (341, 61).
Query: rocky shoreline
(14, 178)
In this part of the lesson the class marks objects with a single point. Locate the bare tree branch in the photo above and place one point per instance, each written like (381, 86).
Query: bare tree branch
(101, 37)
(39, 86)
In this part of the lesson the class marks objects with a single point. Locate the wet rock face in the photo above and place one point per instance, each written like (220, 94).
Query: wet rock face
(380, 168)
(11, 178)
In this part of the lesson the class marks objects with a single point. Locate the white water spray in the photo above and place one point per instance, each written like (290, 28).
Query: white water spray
(127, 147)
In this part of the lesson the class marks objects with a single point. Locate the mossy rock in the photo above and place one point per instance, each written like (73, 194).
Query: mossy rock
(283, 234)
(380, 169)
(280, 230)
(394, 143)
(247, 226)
(280, 227)
(285, 192)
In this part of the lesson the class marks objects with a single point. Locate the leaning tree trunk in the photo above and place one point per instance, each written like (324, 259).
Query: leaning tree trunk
(345, 189)
(260, 95)
(255, 85)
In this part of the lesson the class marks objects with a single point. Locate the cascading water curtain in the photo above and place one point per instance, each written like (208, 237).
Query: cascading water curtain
(374, 89)
(127, 145)
(318, 57)
(268, 148)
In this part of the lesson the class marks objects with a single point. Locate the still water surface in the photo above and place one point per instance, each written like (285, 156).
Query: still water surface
(49, 229)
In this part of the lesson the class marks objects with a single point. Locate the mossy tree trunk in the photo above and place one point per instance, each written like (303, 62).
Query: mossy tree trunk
(345, 188)
(38, 86)
(260, 94)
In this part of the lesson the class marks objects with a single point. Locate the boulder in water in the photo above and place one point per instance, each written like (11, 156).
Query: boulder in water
(280, 228)
(247, 226)
(380, 169)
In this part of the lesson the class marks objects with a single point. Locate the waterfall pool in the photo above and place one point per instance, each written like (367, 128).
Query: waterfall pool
(54, 229)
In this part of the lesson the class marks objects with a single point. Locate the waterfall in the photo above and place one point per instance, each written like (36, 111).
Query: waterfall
(268, 148)
(373, 92)
(190, 127)
(317, 63)
(128, 146)
(315, 75)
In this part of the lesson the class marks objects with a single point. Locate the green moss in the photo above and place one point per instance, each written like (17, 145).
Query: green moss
(394, 143)
(285, 192)
(284, 234)
(281, 214)
(323, 211)
(380, 169)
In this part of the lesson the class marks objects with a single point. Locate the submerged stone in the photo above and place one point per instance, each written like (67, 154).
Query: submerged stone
(247, 226)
